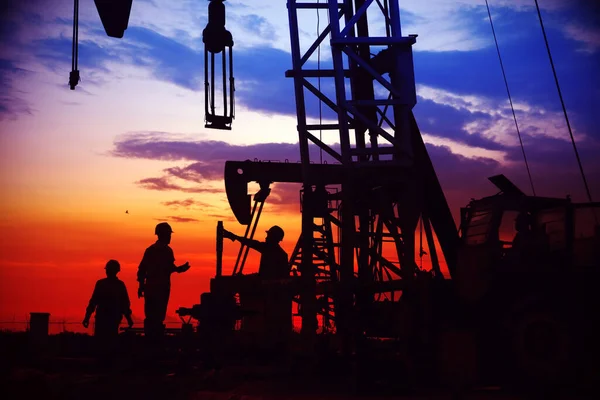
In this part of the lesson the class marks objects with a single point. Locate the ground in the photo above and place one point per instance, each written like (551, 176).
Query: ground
(66, 369)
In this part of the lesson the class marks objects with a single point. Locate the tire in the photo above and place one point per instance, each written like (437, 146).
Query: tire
(542, 350)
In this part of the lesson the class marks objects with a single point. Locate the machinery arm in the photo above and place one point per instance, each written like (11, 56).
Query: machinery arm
(239, 173)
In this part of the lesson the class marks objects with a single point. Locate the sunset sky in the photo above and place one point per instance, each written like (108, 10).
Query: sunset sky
(132, 137)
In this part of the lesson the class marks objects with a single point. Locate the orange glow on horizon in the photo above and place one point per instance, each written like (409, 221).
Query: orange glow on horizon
(51, 260)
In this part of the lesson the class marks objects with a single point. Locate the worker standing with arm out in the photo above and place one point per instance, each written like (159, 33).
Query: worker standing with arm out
(154, 278)
(273, 270)
(273, 260)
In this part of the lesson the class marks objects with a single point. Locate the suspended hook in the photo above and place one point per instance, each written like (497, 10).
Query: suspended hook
(74, 75)
(217, 40)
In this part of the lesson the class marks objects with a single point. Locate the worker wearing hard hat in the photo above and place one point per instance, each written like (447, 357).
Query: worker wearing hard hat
(110, 301)
(276, 298)
(273, 260)
(154, 277)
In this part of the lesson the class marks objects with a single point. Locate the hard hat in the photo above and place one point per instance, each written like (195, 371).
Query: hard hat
(163, 227)
(276, 231)
(113, 266)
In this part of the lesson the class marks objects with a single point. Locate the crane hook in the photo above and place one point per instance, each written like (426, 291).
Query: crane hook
(74, 74)
(217, 40)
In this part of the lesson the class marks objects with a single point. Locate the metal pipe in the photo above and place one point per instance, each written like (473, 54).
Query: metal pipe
(219, 248)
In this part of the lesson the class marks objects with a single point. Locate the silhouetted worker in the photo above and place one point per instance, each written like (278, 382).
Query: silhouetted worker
(276, 298)
(154, 277)
(523, 228)
(273, 260)
(110, 301)
(530, 244)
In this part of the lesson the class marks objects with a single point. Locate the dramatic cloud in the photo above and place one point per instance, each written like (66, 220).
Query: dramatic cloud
(197, 172)
(256, 28)
(206, 210)
(187, 203)
(12, 103)
(462, 98)
(168, 59)
(581, 25)
(165, 146)
(458, 162)
(468, 28)
(171, 51)
(492, 118)
(465, 150)
(164, 184)
(458, 173)
(208, 160)
(589, 36)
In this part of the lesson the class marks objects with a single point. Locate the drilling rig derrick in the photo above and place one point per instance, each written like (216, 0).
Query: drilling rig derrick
(387, 183)
(360, 212)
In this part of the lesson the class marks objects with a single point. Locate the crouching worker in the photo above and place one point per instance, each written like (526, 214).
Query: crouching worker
(110, 301)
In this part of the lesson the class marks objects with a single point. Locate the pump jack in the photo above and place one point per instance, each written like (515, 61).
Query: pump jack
(386, 186)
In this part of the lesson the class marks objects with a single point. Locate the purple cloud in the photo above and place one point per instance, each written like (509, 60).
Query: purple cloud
(197, 172)
(163, 184)
(461, 177)
(187, 203)
(12, 102)
(165, 146)
(208, 157)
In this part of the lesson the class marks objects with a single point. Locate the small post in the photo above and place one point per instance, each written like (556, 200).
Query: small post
(38, 324)
(219, 248)
(38, 331)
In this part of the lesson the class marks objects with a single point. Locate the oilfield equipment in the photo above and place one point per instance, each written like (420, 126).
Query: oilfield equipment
(526, 305)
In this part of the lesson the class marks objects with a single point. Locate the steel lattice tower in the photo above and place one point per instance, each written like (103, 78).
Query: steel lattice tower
(388, 181)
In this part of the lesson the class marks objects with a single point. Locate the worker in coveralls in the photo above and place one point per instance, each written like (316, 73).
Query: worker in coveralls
(110, 301)
(154, 277)
(273, 271)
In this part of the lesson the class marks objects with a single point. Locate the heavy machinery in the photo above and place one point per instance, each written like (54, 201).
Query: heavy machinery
(524, 281)
(521, 305)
